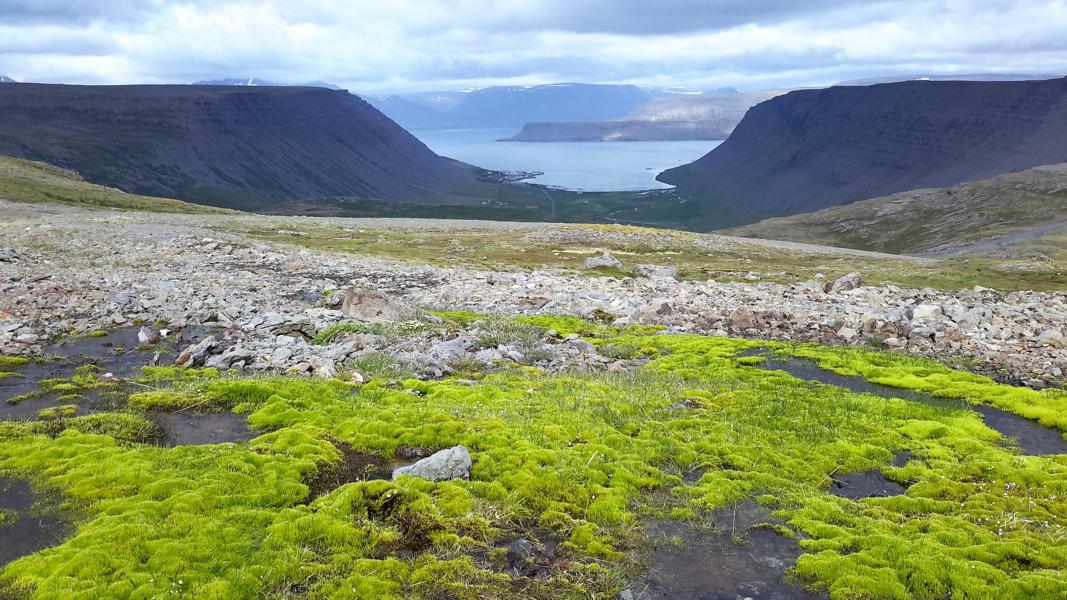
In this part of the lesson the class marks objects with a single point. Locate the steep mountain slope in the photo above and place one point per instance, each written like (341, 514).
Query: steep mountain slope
(27, 181)
(710, 116)
(239, 147)
(813, 149)
(1015, 204)
(6, 79)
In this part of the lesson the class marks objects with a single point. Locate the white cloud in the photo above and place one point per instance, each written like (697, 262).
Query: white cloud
(378, 46)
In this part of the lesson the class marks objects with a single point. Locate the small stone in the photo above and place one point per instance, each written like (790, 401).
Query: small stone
(519, 552)
(194, 355)
(742, 318)
(119, 299)
(1051, 337)
(146, 335)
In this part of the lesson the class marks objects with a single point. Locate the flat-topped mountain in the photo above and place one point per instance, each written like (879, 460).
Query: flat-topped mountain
(699, 116)
(812, 149)
(513, 106)
(239, 147)
(256, 82)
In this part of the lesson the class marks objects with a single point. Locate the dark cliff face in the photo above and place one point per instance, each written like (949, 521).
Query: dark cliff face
(812, 149)
(248, 148)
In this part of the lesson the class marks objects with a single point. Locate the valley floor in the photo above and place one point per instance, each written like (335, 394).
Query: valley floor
(634, 434)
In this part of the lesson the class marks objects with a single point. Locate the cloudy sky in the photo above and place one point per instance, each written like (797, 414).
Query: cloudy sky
(377, 46)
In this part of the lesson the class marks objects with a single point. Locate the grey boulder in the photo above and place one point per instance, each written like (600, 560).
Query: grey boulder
(657, 271)
(370, 305)
(604, 260)
(453, 463)
(844, 283)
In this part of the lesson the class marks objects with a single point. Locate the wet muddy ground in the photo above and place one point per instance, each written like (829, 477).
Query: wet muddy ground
(194, 429)
(116, 357)
(740, 556)
(353, 467)
(31, 522)
(1031, 437)
(869, 484)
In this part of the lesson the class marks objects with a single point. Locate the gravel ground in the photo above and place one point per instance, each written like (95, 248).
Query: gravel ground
(64, 269)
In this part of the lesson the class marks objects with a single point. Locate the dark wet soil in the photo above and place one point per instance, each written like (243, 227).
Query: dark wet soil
(529, 557)
(869, 484)
(354, 466)
(31, 522)
(1031, 437)
(739, 558)
(192, 429)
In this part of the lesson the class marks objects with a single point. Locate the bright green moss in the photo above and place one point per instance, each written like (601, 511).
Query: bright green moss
(66, 410)
(582, 458)
(923, 375)
(176, 374)
(10, 362)
(6, 374)
(462, 318)
(98, 334)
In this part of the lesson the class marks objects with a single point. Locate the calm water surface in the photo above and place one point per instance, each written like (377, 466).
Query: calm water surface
(585, 166)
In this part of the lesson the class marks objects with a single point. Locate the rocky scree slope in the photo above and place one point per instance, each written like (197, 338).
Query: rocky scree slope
(812, 149)
(236, 147)
(271, 299)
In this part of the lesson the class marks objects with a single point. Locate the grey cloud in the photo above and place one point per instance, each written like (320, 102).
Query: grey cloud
(75, 12)
(404, 45)
(641, 17)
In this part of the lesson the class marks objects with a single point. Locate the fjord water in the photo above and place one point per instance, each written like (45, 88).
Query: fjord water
(581, 166)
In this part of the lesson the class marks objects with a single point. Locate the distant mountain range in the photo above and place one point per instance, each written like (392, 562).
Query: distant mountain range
(514, 106)
(6, 79)
(812, 149)
(954, 77)
(254, 82)
(703, 116)
(240, 147)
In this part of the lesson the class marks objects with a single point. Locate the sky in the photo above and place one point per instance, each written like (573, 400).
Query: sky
(386, 46)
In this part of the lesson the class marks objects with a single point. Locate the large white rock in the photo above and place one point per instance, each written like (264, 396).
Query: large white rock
(371, 305)
(604, 260)
(454, 463)
(657, 271)
(844, 283)
(926, 311)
